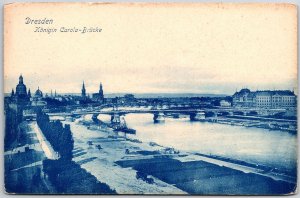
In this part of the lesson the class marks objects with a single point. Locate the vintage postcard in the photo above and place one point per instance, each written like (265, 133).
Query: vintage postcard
(150, 98)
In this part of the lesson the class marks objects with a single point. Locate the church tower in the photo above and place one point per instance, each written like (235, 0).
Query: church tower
(21, 88)
(83, 93)
(101, 91)
(29, 93)
(12, 93)
(101, 95)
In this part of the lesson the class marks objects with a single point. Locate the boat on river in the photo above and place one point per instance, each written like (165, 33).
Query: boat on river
(126, 130)
(122, 127)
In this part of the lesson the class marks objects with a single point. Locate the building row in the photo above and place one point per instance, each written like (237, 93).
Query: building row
(264, 99)
(23, 97)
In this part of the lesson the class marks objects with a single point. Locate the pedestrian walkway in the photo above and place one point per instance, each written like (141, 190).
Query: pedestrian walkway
(46, 146)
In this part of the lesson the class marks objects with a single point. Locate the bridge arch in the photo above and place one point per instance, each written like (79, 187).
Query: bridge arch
(223, 113)
(238, 113)
(210, 114)
(252, 113)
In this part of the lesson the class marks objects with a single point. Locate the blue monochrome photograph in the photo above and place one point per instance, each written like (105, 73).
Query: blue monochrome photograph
(150, 98)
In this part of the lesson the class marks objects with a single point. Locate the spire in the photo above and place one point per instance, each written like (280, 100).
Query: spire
(51, 95)
(29, 93)
(101, 89)
(55, 93)
(83, 91)
(101, 96)
(12, 92)
(21, 79)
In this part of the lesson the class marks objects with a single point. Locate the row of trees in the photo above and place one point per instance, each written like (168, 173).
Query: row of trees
(68, 177)
(64, 174)
(59, 136)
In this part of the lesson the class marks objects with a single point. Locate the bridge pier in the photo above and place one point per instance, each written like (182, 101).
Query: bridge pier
(216, 115)
(198, 116)
(115, 118)
(159, 117)
(95, 116)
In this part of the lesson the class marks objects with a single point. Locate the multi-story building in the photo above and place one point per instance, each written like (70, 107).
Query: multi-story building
(244, 98)
(264, 99)
(283, 99)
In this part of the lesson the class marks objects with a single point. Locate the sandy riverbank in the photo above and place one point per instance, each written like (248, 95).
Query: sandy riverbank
(171, 173)
(101, 163)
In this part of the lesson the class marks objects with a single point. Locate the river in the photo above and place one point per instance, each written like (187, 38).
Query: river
(277, 149)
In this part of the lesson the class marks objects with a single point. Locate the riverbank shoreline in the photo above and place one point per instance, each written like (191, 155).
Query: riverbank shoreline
(246, 121)
(142, 154)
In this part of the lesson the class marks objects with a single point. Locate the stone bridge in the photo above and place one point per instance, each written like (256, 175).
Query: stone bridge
(159, 114)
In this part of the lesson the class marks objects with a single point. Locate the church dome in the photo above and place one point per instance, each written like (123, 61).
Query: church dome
(21, 88)
(38, 93)
(245, 91)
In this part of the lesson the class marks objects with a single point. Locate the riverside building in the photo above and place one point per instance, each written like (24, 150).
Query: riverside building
(264, 99)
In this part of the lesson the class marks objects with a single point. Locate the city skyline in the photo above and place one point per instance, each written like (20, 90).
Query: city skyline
(157, 53)
(90, 92)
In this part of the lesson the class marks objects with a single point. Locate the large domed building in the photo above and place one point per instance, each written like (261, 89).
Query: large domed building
(38, 93)
(20, 96)
(21, 88)
(37, 99)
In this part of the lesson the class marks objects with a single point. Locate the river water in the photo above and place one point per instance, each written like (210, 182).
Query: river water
(277, 149)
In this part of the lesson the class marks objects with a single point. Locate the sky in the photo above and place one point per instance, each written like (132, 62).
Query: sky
(148, 48)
